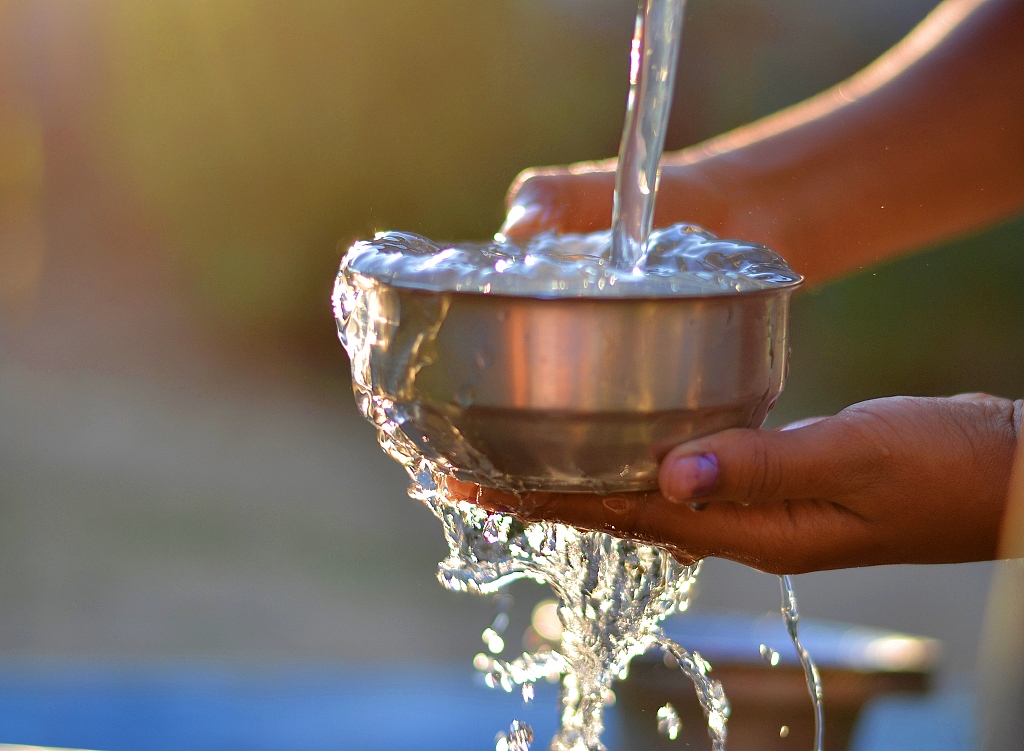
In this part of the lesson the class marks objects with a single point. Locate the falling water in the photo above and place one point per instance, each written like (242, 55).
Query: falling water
(652, 75)
(792, 618)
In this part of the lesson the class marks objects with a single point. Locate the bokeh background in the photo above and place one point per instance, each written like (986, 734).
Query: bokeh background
(183, 475)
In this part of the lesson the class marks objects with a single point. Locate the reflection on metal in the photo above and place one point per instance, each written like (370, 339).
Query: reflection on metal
(582, 394)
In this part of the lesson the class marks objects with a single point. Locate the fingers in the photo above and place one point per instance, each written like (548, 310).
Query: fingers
(751, 466)
(578, 199)
(781, 537)
(636, 515)
(763, 498)
(645, 516)
(459, 490)
(892, 480)
(806, 461)
(564, 200)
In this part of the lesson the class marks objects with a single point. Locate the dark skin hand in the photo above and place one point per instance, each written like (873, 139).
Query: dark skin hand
(896, 480)
(925, 144)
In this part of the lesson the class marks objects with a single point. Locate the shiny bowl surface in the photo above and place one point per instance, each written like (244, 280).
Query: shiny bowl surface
(579, 394)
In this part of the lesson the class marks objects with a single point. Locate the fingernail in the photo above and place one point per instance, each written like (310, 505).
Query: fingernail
(520, 216)
(690, 477)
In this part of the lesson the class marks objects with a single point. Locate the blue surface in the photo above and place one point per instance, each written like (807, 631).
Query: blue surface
(219, 709)
(899, 723)
(202, 708)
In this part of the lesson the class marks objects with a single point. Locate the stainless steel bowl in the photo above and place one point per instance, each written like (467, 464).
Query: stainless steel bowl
(589, 394)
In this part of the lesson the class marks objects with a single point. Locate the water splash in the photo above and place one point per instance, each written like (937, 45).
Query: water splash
(528, 692)
(769, 655)
(681, 261)
(669, 723)
(518, 738)
(613, 594)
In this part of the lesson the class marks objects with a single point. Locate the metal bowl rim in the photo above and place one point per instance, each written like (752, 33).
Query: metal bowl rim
(789, 287)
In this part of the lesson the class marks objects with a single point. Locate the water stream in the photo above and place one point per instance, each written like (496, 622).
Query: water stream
(652, 75)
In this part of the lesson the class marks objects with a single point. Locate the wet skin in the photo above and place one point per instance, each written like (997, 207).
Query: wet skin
(896, 480)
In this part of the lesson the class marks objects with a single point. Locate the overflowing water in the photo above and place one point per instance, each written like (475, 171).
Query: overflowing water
(681, 261)
(613, 594)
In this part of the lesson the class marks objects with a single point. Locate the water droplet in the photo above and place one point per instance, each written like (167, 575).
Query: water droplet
(483, 359)
(703, 665)
(518, 738)
(495, 528)
(669, 723)
(465, 396)
(528, 692)
(495, 644)
(500, 622)
(545, 620)
(769, 655)
(481, 662)
(784, 731)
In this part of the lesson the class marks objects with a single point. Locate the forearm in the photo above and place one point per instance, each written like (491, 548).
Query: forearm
(925, 144)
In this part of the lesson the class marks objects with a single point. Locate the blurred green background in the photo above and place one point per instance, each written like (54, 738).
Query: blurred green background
(181, 469)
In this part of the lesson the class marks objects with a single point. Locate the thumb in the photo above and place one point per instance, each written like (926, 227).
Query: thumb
(748, 466)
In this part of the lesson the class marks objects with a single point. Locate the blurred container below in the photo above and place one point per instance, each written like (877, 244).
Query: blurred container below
(758, 667)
